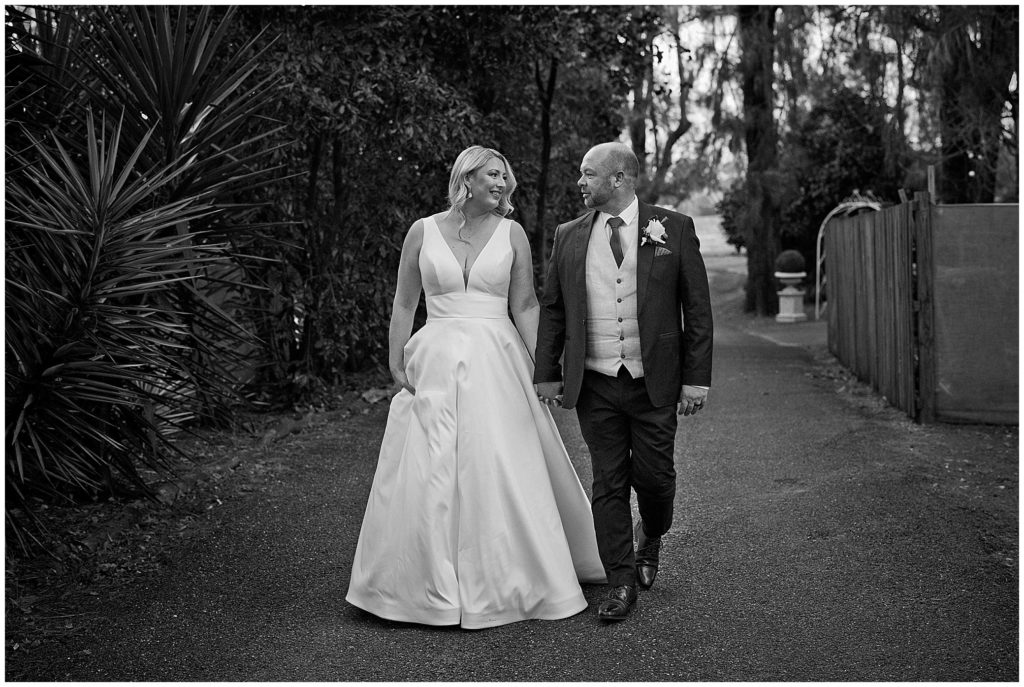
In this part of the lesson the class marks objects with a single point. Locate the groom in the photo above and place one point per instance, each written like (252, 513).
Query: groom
(626, 301)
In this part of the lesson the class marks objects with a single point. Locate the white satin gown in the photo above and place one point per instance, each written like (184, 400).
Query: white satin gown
(476, 516)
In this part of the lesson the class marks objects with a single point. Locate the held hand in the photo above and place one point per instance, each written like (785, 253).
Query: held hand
(691, 399)
(549, 393)
(402, 380)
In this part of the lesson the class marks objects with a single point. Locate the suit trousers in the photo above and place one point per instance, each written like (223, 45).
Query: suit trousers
(631, 445)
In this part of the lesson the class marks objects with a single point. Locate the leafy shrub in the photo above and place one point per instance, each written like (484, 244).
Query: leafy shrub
(732, 208)
(836, 150)
(119, 255)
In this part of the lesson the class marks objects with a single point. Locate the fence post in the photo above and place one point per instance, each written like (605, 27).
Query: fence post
(924, 289)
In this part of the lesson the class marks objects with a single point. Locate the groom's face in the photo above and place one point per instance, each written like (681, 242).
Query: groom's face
(596, 181)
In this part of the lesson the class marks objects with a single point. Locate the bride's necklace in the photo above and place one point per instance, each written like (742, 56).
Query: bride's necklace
(470, 229)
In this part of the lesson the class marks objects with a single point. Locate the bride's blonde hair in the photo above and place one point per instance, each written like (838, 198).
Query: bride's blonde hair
(469, 161)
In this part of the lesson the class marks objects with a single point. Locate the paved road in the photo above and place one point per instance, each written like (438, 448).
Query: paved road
(819, 536)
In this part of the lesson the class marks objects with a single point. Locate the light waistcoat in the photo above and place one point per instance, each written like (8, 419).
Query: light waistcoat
(613, 333)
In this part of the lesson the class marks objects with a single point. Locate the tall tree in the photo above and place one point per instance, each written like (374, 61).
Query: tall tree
(658, 117)
(762, 216)
(676, 98)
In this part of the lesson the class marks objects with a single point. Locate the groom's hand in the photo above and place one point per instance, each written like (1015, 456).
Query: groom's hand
(550, 393)
(692, 399)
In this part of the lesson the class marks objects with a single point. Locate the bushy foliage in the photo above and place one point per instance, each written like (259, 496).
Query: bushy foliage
(379, 101)
(118, 247)
(836, 150)
(790, 261)
(732, 208)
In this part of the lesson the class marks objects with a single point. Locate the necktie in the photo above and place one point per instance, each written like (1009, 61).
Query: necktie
(614, 223)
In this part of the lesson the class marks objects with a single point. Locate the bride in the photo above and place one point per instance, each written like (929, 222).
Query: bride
(476, 516)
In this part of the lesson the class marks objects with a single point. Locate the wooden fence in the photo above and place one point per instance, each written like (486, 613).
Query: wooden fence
(922, 304)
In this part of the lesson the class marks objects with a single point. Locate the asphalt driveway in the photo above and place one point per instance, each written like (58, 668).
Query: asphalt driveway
(820, 536)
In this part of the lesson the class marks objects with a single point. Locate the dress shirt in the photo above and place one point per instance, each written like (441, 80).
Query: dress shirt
(628, 230)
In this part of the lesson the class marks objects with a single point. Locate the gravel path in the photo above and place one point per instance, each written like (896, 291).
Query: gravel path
(819, 536)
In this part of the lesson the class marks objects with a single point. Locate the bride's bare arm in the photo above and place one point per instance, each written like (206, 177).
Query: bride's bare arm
(522, 298)
(407, 297)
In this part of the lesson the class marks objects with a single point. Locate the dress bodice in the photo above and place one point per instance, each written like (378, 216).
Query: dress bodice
(484, 293)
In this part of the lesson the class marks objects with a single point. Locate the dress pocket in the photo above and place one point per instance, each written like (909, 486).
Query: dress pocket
(409, 355)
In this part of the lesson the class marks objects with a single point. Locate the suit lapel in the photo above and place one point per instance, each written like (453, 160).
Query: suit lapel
(644, 256)
(580, 256)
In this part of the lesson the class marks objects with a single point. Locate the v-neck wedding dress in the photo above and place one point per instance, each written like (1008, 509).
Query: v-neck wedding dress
(476, 516)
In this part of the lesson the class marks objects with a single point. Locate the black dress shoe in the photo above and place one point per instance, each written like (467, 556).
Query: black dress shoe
(618, 604)
(647, 551)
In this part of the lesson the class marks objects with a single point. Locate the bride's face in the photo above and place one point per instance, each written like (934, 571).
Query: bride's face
(488, 183)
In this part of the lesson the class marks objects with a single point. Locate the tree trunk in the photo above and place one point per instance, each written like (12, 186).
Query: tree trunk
(638, 127)
(663, 160)
(762, 219)
(895, 145)
(1000, 52)
(546, 92)
(955, 176)
(643, 92)
(974, 87)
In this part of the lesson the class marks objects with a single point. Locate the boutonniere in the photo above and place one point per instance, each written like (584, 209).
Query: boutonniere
(654, 232)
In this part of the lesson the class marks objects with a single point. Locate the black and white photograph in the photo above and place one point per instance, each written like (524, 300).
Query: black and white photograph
(541, 343)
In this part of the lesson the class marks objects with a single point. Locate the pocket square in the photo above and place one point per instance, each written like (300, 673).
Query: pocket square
(661, 250)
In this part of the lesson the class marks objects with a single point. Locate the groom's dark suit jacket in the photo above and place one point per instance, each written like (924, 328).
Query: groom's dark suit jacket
(673, 305)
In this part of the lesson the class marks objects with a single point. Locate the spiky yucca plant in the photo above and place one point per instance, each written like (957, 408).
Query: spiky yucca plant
(118, 248)
(94, 371)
